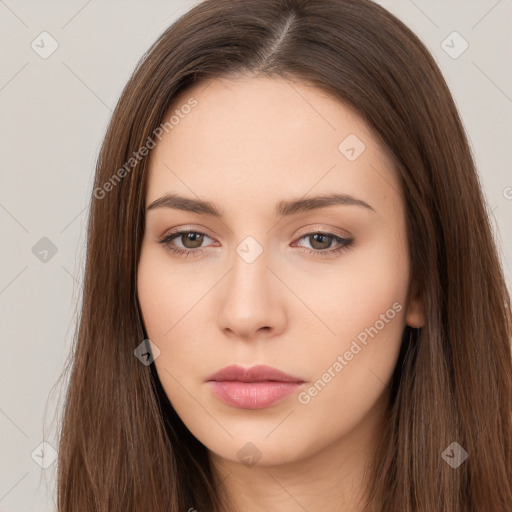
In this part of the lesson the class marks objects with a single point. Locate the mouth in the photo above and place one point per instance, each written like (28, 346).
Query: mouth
(252, 388)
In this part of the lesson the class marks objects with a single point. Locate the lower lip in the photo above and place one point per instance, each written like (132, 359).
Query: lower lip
(252, 395)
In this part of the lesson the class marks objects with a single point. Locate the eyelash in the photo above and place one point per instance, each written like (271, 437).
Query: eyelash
(345, 243)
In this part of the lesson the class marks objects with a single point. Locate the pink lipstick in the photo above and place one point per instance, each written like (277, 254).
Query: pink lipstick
(252, 388)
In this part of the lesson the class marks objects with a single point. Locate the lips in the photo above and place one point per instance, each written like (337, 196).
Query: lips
(252, 388)
(254, 374)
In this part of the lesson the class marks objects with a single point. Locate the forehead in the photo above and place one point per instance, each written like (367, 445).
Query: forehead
(267, 138)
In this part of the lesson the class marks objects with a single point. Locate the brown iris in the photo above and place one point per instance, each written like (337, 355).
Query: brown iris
(195, 239)
(320, 239)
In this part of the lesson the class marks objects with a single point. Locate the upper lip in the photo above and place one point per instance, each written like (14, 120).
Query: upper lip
(257, 373)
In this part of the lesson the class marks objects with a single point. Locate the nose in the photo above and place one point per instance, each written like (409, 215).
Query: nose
(251, 300)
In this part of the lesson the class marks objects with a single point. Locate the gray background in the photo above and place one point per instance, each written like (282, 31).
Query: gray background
(54, 115)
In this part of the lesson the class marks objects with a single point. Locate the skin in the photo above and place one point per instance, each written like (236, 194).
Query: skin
(247, 145)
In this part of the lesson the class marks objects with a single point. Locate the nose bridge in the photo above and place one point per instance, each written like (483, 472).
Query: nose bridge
(248, 259)
(249, 280)
(249, 298)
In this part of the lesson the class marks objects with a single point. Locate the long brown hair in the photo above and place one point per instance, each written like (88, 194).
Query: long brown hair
(123, 448)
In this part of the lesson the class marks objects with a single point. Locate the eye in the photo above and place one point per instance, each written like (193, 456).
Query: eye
(321, 243)
(191, 240)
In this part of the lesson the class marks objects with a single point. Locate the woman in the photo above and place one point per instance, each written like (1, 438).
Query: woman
(292, 298)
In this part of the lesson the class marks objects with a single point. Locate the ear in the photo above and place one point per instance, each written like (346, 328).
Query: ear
(415, 315)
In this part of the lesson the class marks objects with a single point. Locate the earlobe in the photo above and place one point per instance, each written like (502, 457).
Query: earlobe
(415, 316)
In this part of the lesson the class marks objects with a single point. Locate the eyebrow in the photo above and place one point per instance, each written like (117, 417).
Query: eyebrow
(283, 208)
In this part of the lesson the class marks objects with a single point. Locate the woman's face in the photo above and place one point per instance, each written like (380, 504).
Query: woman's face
(274, 272)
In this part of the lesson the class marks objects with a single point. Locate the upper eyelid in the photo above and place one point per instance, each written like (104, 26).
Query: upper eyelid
(302, 232)
(327, 231)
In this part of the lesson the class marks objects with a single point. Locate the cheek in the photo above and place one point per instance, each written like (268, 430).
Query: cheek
(169, 306)
(166, 293)
(365, 307)
(153, 298)
(171, 302)
(353, 294)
